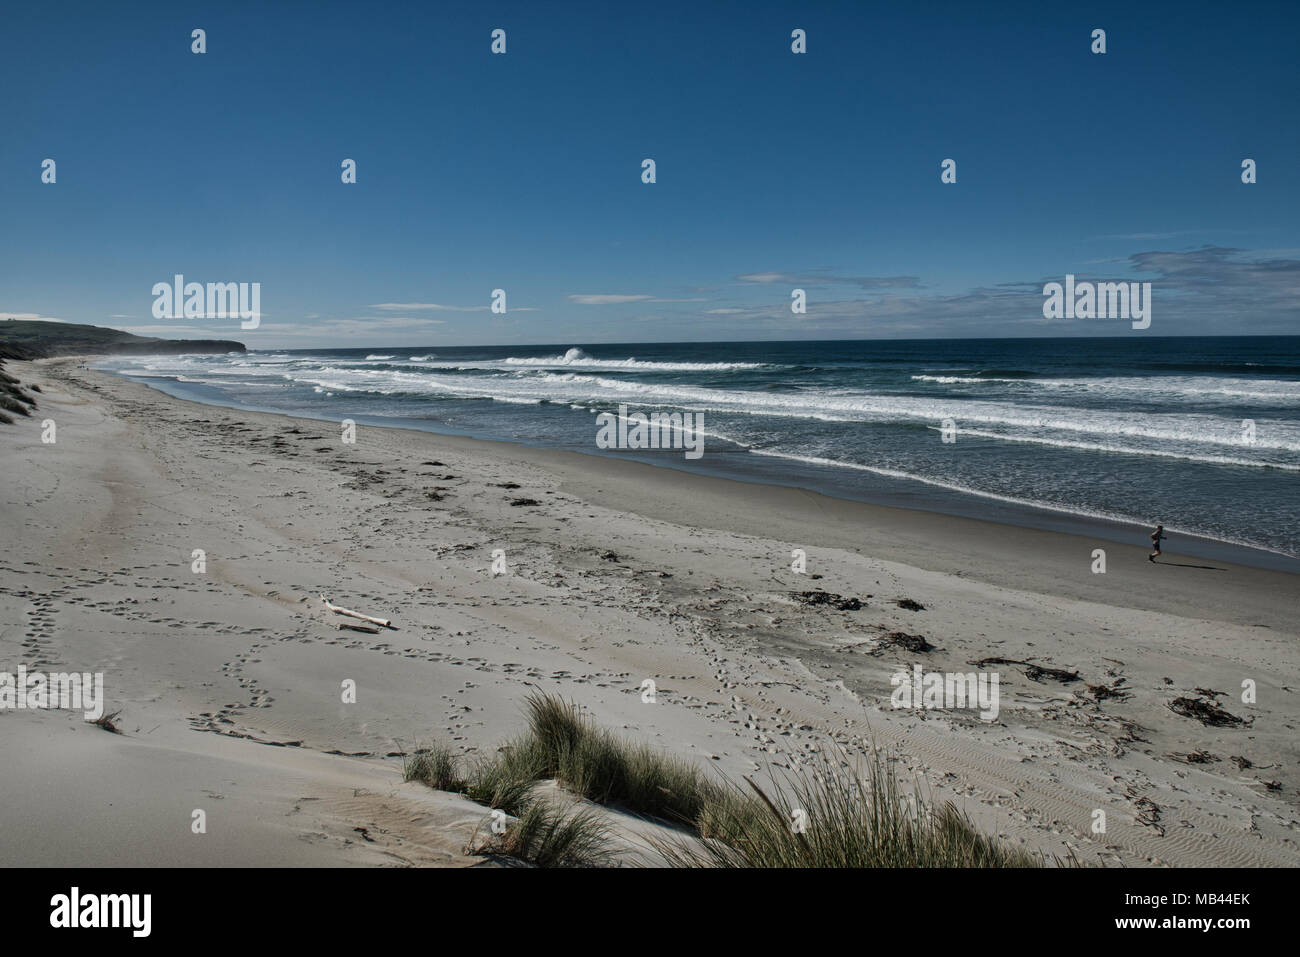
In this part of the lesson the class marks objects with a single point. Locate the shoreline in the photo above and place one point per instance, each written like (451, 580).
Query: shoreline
(900, 534)
(618, 571)
(955, 503)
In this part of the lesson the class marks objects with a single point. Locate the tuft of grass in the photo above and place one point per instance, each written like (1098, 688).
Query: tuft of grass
(598, 765)
(434, 766)
(549, 836)
(542, 834)
(14, 399)
(837, 818)
(506, 781)
(9, 402)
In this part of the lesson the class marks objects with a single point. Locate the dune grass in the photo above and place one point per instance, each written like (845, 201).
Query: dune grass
(9, 402)
(434, 766)
(854, 817)
(543, 834)
(837, 817)
(13, 398)
(546, 835)
(591, 761)
(506, 781)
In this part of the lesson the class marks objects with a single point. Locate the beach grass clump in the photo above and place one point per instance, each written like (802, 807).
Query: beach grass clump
(504, 781)
(13, 398)
(837, 818)
(566, 745)
(9, 403)
(547, 835)
(435, 766)
(595, 763)
(837, 815)
(507, 780)
(543, 833)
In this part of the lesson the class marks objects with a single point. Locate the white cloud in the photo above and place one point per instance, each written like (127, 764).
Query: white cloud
(29, 316)
(415, 306)
(596, 299)
(440, 307)
(819, 277)
(185, 332)
(610, 299)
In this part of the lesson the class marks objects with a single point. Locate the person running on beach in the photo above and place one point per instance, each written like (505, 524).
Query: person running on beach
(1157, 537)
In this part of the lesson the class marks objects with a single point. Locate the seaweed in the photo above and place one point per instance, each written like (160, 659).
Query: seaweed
(1207, 712)
(1034, 672)
(818, 597)
(899, 639)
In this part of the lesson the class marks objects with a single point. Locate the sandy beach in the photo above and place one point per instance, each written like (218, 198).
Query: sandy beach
(227, 680)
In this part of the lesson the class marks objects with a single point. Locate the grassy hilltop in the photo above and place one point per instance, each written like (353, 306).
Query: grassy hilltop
(26, 339)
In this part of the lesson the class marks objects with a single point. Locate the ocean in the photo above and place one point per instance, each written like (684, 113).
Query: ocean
(1200, 434)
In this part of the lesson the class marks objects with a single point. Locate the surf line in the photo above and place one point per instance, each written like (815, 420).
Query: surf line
(658, 430)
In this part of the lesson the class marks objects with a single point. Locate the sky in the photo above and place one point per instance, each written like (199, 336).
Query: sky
(522, 171)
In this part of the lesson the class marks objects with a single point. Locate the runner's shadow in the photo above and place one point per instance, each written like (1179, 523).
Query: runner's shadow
(1212, 568)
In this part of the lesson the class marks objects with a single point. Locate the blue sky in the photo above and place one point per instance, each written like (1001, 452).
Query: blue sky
(774, 170)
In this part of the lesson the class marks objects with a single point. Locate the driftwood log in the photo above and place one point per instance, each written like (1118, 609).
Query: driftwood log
(338, 610)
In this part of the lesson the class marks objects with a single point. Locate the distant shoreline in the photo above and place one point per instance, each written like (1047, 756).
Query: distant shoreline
(28, 340)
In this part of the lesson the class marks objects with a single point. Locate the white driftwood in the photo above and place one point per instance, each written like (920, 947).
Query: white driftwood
(381, 622)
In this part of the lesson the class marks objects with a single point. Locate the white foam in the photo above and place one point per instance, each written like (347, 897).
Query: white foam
(576, 357)
(1273, 390)
(1101, 447)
